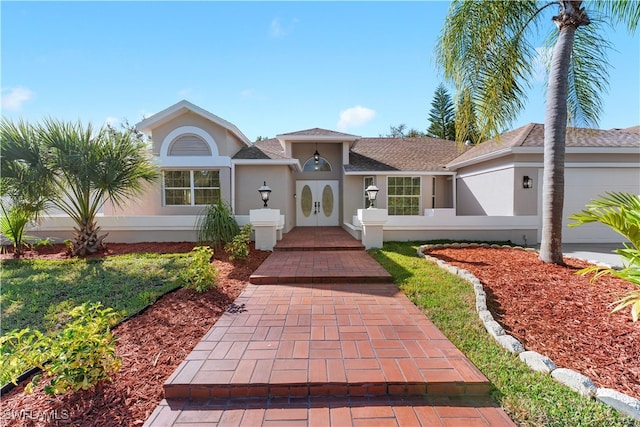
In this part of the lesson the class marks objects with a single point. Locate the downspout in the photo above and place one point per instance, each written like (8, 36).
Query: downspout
(233, 187)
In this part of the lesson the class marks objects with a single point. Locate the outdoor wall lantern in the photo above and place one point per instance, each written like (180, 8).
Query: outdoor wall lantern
(527, 182)
(316, 156)
(372, 193)
(264, 193)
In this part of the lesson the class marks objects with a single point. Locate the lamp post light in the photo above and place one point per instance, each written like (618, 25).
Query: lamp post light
(264, 193)
(372, 193)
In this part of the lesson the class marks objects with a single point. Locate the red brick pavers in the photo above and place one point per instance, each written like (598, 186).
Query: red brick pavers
(320, 267)
(376, 411)
(359, 354)
(319, 255)
(325, 347)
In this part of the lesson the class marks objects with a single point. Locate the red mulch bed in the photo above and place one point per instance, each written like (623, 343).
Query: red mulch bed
(558, 313)
(151, 345)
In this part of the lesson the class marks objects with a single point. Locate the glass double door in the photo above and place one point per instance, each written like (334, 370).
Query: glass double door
(317, 203)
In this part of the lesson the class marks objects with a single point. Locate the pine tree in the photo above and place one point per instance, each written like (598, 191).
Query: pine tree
(441, 116)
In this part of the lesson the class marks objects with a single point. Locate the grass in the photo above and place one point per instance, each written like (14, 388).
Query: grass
(529, 398)
(39, 293)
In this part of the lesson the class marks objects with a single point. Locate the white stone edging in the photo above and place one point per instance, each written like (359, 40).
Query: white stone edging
(537, 362)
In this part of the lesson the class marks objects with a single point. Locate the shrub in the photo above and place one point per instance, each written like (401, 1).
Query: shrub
(79, 357)
(201, 275)
(21, 350)
(216, 226)
(12, 225)
(621, 212)
(238, 247)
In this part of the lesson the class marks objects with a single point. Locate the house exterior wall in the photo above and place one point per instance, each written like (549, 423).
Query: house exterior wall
(248, 178)
(228, 144)
(486, 192)
(150, 202)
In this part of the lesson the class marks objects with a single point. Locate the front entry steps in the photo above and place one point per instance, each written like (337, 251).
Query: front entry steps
(324, 340)
(319, 255)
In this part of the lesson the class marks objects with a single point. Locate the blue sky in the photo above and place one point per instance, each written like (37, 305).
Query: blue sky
(267, 67)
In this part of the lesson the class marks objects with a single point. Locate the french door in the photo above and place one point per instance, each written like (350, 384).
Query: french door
(317, 203)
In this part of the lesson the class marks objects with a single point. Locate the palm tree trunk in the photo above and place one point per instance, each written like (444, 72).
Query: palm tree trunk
(555, 130)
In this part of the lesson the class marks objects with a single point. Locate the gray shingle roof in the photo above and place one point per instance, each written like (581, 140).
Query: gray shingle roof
(264, 149)
(401, 154)
(432, 154)
(532, 135)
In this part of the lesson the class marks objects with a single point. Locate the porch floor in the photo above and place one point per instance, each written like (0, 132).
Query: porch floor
(325, 354)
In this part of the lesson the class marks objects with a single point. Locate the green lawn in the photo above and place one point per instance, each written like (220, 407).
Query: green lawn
(528, 397)
(39, 293)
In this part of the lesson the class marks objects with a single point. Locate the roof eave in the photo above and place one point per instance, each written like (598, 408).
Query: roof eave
(176, 109)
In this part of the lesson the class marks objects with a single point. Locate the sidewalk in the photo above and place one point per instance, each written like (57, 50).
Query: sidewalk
(308, 352)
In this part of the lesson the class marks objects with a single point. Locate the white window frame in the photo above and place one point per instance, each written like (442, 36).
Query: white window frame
(191, 187)
(391, 196)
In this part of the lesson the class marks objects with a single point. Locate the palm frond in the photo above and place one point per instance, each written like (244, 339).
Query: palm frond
(620, 11)
(484, 49)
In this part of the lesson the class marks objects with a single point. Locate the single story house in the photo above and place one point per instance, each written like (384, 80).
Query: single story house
(430, 188)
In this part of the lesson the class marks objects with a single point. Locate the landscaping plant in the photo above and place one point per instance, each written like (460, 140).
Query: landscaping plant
(201, 274)
(12, 225)
(78, 357)
(238, 247)
(216, 225)
(25, 186)
(78, 169)
(621, 212)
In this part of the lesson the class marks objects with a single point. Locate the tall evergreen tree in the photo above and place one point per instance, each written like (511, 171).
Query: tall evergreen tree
(441, 116)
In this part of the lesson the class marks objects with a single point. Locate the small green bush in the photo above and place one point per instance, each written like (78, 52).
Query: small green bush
(620, 212)
(12, 225)
(216, 226)
(238, 247)
(78, 357)
(201, 274)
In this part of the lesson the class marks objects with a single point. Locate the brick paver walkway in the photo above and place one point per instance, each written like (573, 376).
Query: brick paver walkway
(326, 354)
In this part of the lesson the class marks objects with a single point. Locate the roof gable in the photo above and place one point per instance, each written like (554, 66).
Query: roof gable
(318, 132)
(180, 108)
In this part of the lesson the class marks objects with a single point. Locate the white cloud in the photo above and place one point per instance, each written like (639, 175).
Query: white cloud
(14, 97)
(277, 30)
(355, 116)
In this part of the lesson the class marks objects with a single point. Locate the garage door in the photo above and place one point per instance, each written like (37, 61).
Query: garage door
(585, 184)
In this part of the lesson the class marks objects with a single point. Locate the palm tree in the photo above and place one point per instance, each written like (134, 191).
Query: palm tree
(24, 185)
(485, 48)
(91, 169)
(83, 169)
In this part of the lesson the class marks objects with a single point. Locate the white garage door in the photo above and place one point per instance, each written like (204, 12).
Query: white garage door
(585, 184)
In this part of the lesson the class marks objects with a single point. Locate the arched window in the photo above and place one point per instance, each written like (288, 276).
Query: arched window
(322, 166)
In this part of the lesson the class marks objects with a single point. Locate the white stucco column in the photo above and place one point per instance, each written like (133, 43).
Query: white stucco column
(372, 221)
(265, 222)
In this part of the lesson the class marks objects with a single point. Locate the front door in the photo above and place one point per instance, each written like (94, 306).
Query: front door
(317, 203)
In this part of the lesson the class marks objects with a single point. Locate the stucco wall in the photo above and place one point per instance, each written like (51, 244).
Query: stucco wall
(150, 202)
(248, 178)
(228, 144)
(486, 193)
